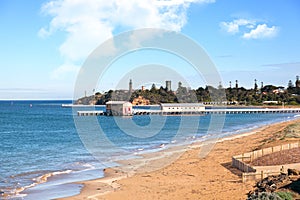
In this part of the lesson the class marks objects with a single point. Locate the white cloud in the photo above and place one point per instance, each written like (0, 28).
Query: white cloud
(261, 31)
(64, 70)
(249, 29)
(81, 20)
(43, 33)
(233, 27)
(88, 23)
(179, 2)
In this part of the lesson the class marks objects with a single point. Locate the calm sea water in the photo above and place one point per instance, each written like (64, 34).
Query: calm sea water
(42, 152)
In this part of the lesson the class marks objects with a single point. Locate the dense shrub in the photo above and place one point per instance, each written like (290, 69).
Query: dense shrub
(264, 196)
(285, 195)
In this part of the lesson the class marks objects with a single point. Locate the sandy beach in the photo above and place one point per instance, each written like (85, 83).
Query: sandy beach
(189, 176)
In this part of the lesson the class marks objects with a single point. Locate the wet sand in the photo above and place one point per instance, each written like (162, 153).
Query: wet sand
(182, 172)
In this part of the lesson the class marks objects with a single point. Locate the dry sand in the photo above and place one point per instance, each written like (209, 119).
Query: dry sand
(188, 177)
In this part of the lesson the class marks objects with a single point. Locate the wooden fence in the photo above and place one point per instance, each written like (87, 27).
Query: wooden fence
(259, 175)
(238, 162)
(242, 161)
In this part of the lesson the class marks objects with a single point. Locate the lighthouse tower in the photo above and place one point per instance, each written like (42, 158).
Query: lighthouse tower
(130, 86)
(297, 83)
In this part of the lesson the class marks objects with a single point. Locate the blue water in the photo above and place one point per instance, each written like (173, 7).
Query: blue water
(39, 138)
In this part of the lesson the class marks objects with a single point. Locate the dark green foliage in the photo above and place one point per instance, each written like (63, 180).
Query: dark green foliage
(117, 95)
(293, 90)
(264, 196)
(285, 195)
(155, 96)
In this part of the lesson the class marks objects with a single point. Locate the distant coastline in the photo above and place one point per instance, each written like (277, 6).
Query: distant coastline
(265, 95)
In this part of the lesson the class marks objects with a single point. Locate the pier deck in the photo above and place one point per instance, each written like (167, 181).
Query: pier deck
(220, 111)
(205, 112)
(90, 113)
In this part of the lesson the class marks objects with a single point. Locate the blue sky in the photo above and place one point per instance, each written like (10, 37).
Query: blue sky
(44, 43)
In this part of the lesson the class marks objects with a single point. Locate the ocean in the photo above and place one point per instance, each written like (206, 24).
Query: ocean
(44, 148)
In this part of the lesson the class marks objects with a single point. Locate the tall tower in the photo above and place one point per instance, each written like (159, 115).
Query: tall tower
(297, 83)
(130, 85)
(255, 84)
(220, 86)
(168, 85)
(179, 84)
(236, 84)
(229, 84)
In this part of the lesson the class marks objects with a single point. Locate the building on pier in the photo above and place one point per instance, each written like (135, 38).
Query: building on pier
(119, 108)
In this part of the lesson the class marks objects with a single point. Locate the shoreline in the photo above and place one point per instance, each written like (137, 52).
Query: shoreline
(48, 178)
(110, 185)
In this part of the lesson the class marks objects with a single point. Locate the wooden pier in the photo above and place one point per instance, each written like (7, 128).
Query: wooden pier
(252, 110)
(218, 111)
(91, 113)
(80, 106)
(205, 112)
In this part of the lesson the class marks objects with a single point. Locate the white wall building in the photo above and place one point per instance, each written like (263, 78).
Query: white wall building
(121, 108)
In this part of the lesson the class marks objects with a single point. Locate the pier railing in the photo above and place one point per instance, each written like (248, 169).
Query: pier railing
(205, 112)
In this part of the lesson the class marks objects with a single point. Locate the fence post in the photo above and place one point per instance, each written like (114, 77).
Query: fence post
(243, 177)
(262, 174)
(272, 149)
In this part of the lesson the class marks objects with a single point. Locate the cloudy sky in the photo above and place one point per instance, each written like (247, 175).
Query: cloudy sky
(44, 43)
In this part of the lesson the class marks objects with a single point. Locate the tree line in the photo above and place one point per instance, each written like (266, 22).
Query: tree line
(208, 94)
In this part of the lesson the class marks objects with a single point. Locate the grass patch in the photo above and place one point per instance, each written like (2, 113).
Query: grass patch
(290, 132)
(285, 195)
(264, 196)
